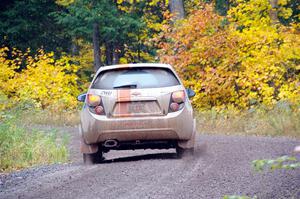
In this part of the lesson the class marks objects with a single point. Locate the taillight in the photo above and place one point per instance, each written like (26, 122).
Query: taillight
(99, 110)
(178, 96)
(95, 104)
(177, 101)
(93, 100)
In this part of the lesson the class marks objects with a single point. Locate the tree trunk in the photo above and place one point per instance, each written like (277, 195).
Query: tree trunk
(274, 11)
(139, 49)
(177, 9)
(74, 49)
(116, 58)
(108, 53)
(96, 46)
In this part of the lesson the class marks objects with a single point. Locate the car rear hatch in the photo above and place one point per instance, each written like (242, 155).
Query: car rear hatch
(135, 92)
(132, 103)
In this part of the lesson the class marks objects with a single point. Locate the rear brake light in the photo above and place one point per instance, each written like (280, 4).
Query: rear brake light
(177, 101)
(99, 110)
(178, 96)
(95, 104)
(174, 106)
(93, 100)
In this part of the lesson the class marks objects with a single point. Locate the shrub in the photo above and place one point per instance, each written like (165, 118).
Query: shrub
(48, 82)
(283, 162)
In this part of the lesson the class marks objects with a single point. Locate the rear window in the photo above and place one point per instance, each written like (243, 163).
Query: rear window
(135, 78)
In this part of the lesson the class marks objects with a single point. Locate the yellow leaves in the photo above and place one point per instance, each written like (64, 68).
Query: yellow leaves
(232, 67)
(291, 92)
(285, 12)
(252, 13)
(45, 80)
(64, 2)
(151, 3)
(7, 69)
(283, 2)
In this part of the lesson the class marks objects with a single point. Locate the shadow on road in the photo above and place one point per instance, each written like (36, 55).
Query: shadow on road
(200, 151)
(142, 157)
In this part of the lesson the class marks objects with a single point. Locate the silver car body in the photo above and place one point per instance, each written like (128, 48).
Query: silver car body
(155, 123)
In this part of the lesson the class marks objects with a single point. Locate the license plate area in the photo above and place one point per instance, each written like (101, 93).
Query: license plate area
(136, 108)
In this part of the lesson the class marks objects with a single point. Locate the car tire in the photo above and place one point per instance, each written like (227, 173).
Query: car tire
(93, 158)
(184, 152)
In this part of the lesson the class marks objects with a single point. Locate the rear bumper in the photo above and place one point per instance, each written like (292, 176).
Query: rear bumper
(174, 126)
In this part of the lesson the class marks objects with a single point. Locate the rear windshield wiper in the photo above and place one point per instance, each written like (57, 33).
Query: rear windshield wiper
(126, 86)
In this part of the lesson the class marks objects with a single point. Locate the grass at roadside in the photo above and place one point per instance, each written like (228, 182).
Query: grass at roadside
(22, 147)
(51, 118)
(282, 120)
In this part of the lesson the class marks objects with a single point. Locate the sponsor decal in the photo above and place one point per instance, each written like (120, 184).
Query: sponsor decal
(106, 93)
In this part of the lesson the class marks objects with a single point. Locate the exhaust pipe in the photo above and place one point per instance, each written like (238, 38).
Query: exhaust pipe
(110, 143)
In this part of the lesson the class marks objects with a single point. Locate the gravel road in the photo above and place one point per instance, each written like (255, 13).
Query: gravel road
(221, 166)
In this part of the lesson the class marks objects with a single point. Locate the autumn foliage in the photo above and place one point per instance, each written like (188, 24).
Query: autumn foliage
(237, 61)
(40, 79)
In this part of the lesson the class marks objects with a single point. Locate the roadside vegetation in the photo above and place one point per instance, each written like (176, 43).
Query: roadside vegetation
(24, 146)
(241, 57)
(281, 120)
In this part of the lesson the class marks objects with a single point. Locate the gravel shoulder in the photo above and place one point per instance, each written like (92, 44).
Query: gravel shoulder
(221, 166)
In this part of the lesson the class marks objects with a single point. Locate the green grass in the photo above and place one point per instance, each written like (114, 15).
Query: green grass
(29, 113)
(22, 147)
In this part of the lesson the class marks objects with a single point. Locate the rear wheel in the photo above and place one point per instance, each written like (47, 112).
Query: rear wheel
(93, 158)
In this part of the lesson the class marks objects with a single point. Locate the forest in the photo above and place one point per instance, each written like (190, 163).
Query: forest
(236, 54)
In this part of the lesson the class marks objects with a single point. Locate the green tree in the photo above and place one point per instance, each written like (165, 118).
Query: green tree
(102, 23)
(27, 24)
(152, 14)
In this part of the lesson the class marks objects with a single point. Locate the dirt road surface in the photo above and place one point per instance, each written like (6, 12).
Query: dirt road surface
(221, 166)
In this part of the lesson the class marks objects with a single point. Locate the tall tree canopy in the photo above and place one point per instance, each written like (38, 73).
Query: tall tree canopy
(25, 24)
(101, 22)
(115, 27)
